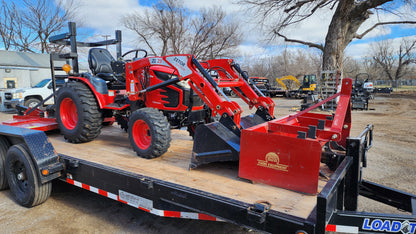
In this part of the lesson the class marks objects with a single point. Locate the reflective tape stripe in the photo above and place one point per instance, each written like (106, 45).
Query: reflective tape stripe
(341, 228)
(164, 213)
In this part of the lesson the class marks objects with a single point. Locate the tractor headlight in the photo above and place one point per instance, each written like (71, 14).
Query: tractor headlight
(184, 84)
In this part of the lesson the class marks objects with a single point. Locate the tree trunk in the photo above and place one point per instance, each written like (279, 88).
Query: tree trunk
(394, 83)
(342, 29)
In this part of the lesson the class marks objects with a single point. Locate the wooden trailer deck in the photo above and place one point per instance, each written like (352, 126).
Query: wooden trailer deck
(112, 148)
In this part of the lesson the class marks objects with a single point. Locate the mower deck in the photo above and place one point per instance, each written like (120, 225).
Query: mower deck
(32, 122)
(112, 149)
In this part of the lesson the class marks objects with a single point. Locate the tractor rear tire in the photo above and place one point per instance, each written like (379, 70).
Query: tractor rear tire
(23, 180)
(4, 146)
(149, 133)
(77, 113)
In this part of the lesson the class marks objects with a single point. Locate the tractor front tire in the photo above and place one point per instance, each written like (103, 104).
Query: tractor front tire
(77, 113)
(21, 174)
(149, 133)
(4, 146)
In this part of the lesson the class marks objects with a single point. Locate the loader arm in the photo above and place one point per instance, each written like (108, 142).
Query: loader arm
(230, 75)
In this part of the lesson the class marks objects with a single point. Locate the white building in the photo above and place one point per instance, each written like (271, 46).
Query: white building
(21, 69)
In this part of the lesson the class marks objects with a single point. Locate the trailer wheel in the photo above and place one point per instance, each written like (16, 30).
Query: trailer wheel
(22, 177)
(78, 114)
(4, 146)
(149, 133)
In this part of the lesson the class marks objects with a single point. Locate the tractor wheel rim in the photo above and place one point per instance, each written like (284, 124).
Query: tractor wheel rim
(141, 134)
(69, 115)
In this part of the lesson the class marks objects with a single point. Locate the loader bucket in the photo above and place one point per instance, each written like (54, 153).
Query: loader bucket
(251, 120)
(214, 142)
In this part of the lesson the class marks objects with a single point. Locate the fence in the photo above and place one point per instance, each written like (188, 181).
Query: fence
(400, 82)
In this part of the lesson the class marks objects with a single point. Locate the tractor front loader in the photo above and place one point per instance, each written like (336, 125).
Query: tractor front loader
(220, 141)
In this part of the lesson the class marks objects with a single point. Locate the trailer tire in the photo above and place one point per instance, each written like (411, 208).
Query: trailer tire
(22, 177)
(77, 113)
(4, 146)
(149, 133)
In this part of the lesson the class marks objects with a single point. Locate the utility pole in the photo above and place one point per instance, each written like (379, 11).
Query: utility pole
(106, 37)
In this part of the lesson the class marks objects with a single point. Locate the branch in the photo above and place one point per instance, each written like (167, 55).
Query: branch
(360, 36)
(297, 5)
(310, 44)
(364, 6)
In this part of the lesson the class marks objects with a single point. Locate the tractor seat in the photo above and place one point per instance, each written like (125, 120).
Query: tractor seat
(99, 61)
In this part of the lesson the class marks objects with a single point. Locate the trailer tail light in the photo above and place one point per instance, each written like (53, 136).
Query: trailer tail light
(45, 172)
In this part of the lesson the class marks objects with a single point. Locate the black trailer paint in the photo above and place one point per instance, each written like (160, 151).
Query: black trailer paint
(41, 149)
(335, 209)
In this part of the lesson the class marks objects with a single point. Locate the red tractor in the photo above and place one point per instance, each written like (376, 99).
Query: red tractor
(149, 95)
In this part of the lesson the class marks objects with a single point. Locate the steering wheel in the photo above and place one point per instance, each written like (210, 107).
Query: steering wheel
(136, 55)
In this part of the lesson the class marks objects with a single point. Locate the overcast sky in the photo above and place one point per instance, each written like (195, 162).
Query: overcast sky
(104, 16)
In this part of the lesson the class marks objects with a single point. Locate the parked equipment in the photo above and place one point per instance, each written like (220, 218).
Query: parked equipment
(290, 79)
(308, 86)
(361, 92)
(264, 85)
(383, 90)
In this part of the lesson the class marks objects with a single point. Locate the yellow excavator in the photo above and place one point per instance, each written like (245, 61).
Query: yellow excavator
(301, 90)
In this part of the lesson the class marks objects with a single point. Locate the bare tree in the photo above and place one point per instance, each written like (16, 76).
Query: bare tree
(46, 17)
(352, 67)
(371, 67)
(168, 27)
(290, 62)
(348, 17)
(158, 27)
(7, 20)
(395, 64)
(214, 36)
(24, 37)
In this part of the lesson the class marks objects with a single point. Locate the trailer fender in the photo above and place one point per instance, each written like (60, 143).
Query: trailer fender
(45, 159)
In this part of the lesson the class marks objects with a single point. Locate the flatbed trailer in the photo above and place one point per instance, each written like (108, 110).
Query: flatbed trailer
(166, 187)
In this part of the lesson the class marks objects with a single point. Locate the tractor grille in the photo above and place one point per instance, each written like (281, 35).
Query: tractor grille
(8, 96)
